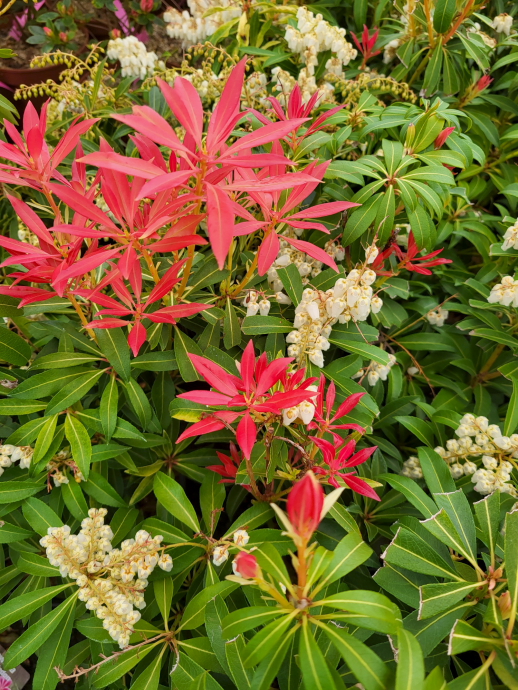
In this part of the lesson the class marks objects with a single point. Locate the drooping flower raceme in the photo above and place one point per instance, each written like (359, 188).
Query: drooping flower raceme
(133, 56)
(477, 439)
(351, 298)
(314, 35)
(111, 581)
(376, 371)
(502, 23)
(505, 292)
(195, 27)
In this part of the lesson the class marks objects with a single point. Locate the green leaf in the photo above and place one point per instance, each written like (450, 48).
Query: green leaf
(32, 639)
(100, 488)
(12, 491)
(511, 416)
(458, 508)
(437, 598)
(80, 444)
(419, 428)
(25, 434)
(73, 392)
(60, 360)
(372, 609)
(234, 650)
(139, 402)
(443, 15)
(231, 328)
(251, 518)
(13, 348)
(212, 497)
(511, 559)
(155, 361)
(194, 613)
(11, 406)
(33, 564)
(422, 342)
(114, 346)
(422, 227)
(113, 670)
(268, 668)
(350, 552)
(487, 512)
(465, 638)
(436, 472)
(262, 325)
(172, 496)
(47, 383)
(292, 282)
(149, 678)
(364, 663)
(53, 654)
(12, 533)
(343, 341)
(410, 668)
(74, 500)
(40, 516)
(45, 438)
(243, 620)
(496, 336)
(412, 492)
(359, 221)
(163, 590)
(183, 347)
(431, 173)
(408, 550)
(21, 607)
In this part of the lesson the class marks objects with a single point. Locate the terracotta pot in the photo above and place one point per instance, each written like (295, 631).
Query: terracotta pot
(15, 77)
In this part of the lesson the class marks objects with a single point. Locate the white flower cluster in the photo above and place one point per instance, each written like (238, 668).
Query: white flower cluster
(502, 24)
(220, 552)
(350, 299)
(437, 317)
(412, 468)
(304, 412)
(106, 576)
(195, 27)
(505, 292)
(478, 438)
(10, 454)
(511, 237)
(376, 371)
(315, 35)
(256, 303)
(133, 57)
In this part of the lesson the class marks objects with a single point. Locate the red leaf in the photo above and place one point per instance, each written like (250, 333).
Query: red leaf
(172, 314)
(273, 184)
(162, 183)
(220, 222)
(224, 116)
(268, 252)
(323, 210)
(137, 337)
(313, 251)
(205, 426)
(79, 203)
(246, 435)
(215, 375)
(184, 101)
(206, 397)
(264, 135)
(123, 164)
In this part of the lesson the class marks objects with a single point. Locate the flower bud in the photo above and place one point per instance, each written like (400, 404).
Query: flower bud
(147, 5)
(305, 503)
(47, 30)
(245, 565)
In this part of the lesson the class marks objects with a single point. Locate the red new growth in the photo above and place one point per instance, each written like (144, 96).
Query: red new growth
(305, 505)
(248, 393)
(344, 459)
(409, 259)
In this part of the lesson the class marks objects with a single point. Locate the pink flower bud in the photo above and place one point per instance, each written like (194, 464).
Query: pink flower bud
(245, 565)
(147, 5)
(441, 139)
(47, 30)
(483, 82)
(115, 33)
(305, 504)
(63, 36)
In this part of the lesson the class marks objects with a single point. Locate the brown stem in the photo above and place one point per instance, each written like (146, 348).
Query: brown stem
(81, 315)
(462, 16)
